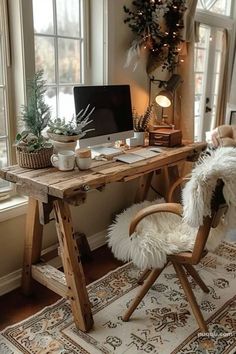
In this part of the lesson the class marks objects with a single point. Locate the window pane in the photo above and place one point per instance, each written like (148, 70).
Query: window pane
(204, 33)
(45, 57)
(3, 162)
(66, 102)
(222, 7)
(200, 59)
(69, 60)
(2, 114)
(50, 99)
(43, 16)
(197, 105)
(198, 83)
(68, 16)
(3, 153)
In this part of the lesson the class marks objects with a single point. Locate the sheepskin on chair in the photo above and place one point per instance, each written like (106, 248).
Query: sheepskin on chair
(161, 234)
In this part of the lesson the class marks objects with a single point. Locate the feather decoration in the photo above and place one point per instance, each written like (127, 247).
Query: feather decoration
(133, 55)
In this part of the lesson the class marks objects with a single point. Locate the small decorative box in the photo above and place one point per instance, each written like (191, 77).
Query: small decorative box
(165, 137)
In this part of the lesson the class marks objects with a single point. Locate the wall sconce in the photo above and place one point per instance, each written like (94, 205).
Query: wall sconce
(166, 97)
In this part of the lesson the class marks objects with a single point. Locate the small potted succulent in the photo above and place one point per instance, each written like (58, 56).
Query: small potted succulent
(141, 124)
(32, 149)
(64, 134)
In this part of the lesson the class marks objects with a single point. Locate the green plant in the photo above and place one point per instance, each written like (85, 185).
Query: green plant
(35, 115)
(141, 122)
(73, 127)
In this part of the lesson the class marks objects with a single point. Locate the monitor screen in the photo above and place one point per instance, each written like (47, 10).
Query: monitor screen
(112, 118)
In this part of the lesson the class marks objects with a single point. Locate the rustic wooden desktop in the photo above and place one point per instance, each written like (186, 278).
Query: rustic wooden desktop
(49, 189)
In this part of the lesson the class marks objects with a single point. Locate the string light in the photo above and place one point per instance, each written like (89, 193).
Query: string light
(161, 44)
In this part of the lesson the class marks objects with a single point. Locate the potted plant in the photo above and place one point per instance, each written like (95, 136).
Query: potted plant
(32, 149)
(141, 124)
(64, 135)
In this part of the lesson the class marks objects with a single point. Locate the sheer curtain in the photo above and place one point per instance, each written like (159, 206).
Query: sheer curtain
(186, 70)
(223, 94)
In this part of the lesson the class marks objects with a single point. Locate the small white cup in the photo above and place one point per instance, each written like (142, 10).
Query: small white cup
(83, 158)
(64, 160)
(84, 163)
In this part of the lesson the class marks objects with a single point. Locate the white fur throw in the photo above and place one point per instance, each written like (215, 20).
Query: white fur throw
(161, 234)
(221, 163)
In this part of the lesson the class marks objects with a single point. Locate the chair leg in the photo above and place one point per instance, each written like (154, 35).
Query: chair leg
(192, 271)
(143, 276)
(190, 296)
(146, 286)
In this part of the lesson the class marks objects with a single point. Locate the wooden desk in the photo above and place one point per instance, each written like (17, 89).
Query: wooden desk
(52, 189)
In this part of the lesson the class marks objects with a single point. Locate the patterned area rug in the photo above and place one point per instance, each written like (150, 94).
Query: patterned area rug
(162, 323)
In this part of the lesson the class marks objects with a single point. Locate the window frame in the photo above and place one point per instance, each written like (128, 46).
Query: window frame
(8, 191)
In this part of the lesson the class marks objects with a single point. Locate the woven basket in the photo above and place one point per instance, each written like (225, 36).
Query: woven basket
(37, 159)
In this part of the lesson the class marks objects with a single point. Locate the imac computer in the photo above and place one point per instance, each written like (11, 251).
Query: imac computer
(112, 118)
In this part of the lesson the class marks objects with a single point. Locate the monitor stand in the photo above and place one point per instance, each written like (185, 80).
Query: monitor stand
(106, 150)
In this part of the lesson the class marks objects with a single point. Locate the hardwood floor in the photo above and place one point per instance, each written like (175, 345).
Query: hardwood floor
(15, 307)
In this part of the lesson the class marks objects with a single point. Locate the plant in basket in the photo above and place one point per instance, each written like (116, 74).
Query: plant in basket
(32, 149)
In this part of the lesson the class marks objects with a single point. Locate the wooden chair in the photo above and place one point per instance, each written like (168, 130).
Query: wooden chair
(183, 261)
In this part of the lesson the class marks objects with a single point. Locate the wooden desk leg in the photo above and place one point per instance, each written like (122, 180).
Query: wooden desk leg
(143, 188)
(33, 244)
(171, 174)
(73, 268)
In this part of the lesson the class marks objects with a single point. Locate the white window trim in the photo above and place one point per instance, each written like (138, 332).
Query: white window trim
(13, 207)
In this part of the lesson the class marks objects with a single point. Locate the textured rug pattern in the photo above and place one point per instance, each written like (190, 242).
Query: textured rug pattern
(163, 322)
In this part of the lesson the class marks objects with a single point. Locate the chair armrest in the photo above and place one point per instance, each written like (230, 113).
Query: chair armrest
(175, 185)
(152, 209)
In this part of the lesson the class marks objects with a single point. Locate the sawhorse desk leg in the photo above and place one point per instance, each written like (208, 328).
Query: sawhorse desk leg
(143, 187)
(73, 269)
(33, 244)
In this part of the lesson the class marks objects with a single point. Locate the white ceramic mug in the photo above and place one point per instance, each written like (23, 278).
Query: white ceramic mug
(64, 160)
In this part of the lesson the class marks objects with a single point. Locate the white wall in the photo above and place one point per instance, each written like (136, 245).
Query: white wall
(119, 39)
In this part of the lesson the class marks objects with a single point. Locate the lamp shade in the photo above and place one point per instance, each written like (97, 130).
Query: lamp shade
(164, 98)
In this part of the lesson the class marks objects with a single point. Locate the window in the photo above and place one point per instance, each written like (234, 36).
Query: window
(208, 56)
(59, 50)
(208, 59)
(222, 7)
(4, 128)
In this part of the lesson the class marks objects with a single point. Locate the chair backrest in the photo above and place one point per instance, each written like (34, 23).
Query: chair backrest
(224, 135)
(218, 209)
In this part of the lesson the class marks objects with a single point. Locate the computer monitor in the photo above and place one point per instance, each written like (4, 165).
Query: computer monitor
(112, 118)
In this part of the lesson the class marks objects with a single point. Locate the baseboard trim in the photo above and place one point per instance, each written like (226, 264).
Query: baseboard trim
(12, 280)
(97, 240)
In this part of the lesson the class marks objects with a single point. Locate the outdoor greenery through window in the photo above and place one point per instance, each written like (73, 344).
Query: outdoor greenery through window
(59, 48)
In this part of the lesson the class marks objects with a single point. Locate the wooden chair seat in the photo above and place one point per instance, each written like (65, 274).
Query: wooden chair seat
(182, 262)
